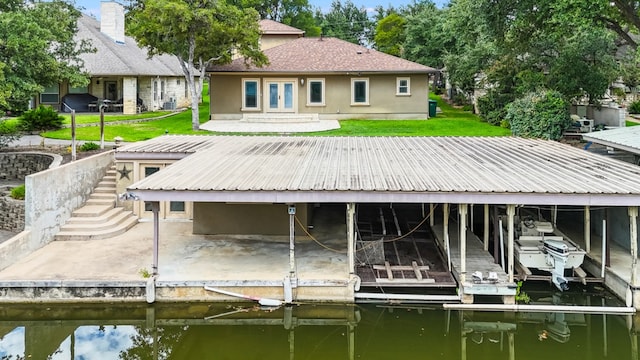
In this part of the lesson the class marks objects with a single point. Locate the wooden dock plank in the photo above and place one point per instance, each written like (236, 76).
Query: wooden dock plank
(416, 270)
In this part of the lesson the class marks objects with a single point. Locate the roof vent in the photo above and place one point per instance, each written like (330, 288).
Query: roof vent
(359, 52)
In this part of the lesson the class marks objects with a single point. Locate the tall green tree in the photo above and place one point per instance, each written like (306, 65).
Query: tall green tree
(199, 33)
(390, 34)
(346, 21)
(296, 13)
(37, 49)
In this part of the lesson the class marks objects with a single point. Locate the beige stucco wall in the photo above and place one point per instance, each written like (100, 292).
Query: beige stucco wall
(245, 219)
(268, 41)
(226, 97)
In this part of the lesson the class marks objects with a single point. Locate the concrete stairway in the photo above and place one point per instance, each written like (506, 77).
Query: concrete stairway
(99, 218)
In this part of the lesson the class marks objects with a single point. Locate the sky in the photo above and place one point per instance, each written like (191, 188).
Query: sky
(92, 7)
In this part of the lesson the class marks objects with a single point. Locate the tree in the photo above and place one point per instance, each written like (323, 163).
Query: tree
(37, 49)
(390, 34)
(296, 13)
(199, 33)
(347, 22)
(426, 39)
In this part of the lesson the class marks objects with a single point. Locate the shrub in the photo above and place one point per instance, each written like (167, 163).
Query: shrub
(40, 119)
(467, 107)
(634, 107)
(492, 107)
(541, 114)
(18, 192)
(88, 146)
(8, 133)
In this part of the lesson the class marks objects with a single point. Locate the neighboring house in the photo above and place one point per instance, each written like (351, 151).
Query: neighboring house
(120, 72)
(318, 78)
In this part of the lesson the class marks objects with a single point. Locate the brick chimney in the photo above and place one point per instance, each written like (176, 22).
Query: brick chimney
(112, 20)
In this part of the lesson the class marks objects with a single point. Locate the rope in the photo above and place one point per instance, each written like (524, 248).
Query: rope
(304, 228)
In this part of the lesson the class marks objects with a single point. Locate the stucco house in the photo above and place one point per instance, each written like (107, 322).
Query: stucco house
(316, 79)
(121, 73)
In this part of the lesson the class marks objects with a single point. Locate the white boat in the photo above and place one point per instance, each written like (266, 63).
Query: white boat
(552, 253)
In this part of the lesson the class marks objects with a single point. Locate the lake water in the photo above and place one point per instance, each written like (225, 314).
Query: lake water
(245, 331)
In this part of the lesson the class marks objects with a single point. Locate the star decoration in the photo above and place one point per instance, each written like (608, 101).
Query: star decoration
(124, 173)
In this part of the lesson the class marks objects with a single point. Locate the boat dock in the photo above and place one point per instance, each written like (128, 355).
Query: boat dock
(475, 259)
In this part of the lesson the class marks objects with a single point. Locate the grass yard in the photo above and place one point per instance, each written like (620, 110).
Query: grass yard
(93, 118)
(450, 122)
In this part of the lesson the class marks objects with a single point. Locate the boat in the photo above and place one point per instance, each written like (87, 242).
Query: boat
(551, 253)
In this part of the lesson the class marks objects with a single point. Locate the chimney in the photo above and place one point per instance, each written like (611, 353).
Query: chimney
(112, 20)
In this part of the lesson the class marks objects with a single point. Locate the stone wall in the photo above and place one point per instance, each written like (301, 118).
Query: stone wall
(11, 213)
(16, 166)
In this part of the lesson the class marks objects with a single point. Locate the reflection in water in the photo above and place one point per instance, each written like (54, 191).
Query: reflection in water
(202, 331)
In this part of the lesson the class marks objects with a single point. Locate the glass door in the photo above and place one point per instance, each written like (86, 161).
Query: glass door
(281, 96)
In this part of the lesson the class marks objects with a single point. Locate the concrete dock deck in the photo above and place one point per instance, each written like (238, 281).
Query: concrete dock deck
(187, 262)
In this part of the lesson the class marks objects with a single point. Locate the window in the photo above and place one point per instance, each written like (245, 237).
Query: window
(315, 92)
(359, 91)
(176, 206)
(250, 94)
(78, 90)
(148, 171)
(155, 91)
(50, 95)
(403, 87)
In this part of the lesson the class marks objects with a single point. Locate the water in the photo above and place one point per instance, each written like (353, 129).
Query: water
(245, 331)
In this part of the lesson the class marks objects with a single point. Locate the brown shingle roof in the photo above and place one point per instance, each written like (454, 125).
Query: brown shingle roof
(273, 27)
(318, 55)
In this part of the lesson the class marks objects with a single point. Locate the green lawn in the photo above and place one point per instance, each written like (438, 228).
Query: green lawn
(450, 122)
(93, 118)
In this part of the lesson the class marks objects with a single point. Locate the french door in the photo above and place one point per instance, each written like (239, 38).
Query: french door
(280, 95)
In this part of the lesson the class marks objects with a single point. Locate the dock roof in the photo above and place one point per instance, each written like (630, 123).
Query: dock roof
(624, 138)
(472, 170)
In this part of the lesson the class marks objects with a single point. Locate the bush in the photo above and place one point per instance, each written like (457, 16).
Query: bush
(492, 107)
(8, 133)
(542, 114)
(634, 107)
(18, 192)
(40, 119)
(88, 146)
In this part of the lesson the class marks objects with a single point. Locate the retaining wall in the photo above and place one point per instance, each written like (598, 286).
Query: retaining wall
(50, 198)
(11, 213)
(16, 166)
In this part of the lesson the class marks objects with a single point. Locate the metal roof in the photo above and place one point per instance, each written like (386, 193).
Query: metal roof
(391, 169)
(625, 138)
(164, 147)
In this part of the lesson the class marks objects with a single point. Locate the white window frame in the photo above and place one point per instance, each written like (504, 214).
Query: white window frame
(353, 92)
(322, 82)
(244, 98)
(398, 86)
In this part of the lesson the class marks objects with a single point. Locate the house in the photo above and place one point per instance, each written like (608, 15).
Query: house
(122, 75)
(318, 78)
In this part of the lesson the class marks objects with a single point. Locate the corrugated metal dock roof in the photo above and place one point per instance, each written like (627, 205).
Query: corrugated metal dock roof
(625, 138)
(389, 169)
(165, 147)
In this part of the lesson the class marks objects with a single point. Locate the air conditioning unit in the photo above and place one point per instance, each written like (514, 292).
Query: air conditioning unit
(586, 125)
